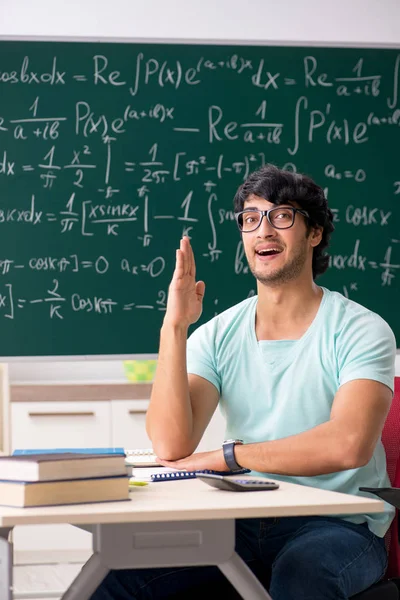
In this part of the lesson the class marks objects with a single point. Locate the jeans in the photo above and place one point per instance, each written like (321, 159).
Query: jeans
(296, 558)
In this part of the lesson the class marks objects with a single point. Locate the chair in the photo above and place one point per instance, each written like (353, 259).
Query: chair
(388, 588)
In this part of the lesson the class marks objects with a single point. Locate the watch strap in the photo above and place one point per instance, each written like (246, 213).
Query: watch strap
(229, 455)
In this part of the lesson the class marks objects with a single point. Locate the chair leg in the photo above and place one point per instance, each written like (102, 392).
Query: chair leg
(383, 590)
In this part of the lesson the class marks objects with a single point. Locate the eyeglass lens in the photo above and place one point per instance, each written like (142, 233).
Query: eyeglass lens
(280, 218)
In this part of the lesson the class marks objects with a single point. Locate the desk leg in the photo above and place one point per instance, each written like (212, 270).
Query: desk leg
(243, 580)
(165, 544)
(88, 580)
(6, 565)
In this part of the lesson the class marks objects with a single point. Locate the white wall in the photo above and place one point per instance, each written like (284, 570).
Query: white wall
(344, 21)
(353, 22)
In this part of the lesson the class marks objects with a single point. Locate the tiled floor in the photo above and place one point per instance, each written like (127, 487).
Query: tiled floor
(43, 582)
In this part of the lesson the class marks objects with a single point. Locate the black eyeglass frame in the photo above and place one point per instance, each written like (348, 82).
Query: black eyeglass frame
(266, 213)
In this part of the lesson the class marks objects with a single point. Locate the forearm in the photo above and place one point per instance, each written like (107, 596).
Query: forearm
(323, 449)
(169, 420)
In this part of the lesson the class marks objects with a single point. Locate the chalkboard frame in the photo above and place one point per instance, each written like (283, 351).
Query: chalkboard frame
(169, 41)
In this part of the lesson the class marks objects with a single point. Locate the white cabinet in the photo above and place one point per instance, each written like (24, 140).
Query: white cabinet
(80, 422)
(57, 425)
(4, 410)
(128, 418)
(60, 424)
(128, 422)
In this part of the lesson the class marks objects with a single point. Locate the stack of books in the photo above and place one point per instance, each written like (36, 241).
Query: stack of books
(48, 479)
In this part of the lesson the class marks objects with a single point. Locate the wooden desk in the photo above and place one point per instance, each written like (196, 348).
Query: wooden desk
(174, 523)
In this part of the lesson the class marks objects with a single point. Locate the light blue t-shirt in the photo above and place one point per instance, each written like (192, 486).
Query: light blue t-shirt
(274, 389)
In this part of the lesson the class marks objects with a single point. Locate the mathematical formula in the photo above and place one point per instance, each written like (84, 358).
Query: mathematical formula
(112, 159)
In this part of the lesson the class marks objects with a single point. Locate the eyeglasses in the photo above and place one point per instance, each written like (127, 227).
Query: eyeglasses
(279, 218)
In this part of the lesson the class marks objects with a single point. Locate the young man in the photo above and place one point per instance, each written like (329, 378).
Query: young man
(304, 378)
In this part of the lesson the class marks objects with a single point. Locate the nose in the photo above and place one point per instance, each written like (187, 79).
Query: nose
(265, 228)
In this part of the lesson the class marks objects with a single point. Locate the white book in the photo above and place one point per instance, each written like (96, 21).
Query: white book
(145, 473)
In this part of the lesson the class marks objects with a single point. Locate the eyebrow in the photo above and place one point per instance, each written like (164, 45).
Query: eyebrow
(276, 206)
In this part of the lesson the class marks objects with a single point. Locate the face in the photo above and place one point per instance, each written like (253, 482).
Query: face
(276, 256)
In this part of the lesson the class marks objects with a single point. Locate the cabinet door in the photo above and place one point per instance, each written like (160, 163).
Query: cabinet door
(128, 419)
(57, 425)
(129, 426)
(60, 424)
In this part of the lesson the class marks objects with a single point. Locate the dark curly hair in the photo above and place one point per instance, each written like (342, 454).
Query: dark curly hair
(284, 187)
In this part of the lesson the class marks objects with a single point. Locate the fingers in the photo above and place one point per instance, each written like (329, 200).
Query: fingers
(185, 263)
(186, 251)
(200, 289)
(186, 255)
(192, 261)
(182, 261)
(179, 265)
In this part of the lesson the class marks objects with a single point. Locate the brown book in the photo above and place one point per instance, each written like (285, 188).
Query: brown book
(62, 465)
(22, 494)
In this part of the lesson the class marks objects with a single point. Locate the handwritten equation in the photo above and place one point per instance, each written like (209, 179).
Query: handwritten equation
(109, 153)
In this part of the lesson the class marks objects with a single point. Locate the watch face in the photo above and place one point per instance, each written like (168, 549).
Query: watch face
(234, 441)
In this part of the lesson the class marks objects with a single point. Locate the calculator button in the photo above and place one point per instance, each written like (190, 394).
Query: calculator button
(255, 482)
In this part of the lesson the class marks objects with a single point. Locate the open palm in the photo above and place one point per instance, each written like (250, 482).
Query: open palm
(185, 295)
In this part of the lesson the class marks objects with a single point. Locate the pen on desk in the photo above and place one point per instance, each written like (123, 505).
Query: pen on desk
(137, 483)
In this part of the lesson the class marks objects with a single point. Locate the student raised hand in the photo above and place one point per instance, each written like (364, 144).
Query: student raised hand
(185, 295)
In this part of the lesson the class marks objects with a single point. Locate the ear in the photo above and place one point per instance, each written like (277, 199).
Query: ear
(316, 236)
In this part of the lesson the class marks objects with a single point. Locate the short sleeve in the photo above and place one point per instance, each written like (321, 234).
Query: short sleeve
(367, 350)
(201, 354)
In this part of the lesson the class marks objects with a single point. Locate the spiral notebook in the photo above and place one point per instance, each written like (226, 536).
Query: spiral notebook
(141, 457)
(174, 475)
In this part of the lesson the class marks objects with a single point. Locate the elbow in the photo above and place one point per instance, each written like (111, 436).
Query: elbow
(169, 445)
(162, 450)
(169, 452)
(355, 455)
(172, 448)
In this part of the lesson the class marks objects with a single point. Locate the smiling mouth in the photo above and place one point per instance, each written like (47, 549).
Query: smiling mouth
(265, 253)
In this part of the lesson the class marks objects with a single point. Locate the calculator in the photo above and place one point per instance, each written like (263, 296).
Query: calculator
(237, 484)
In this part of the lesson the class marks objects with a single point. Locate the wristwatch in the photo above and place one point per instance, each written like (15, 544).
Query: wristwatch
(228, 447)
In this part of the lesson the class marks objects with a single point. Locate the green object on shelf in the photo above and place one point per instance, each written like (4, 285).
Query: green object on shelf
(140, 370)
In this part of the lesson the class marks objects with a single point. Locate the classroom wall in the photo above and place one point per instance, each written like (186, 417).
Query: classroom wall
(344, 22)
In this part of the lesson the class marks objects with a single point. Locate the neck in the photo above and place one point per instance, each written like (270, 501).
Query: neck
(286, 311)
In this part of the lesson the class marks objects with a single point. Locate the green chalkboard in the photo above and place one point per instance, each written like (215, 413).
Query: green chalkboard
(109, 152)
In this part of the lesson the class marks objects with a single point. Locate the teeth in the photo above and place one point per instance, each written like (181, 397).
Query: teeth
(264, 252)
